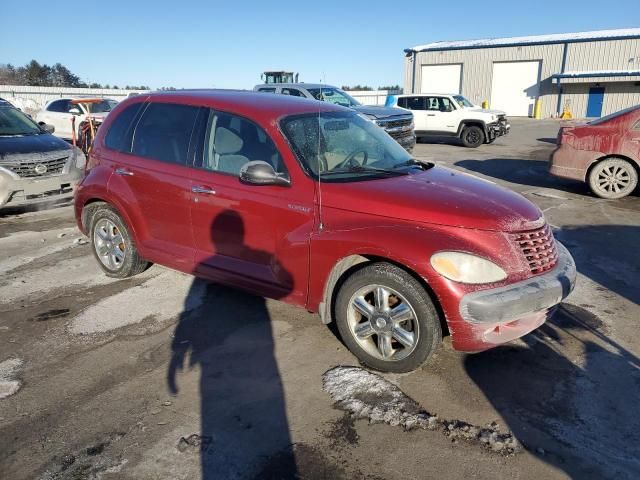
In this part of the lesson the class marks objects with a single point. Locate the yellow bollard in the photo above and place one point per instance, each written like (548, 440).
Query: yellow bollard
(537, 110)
(485, 104)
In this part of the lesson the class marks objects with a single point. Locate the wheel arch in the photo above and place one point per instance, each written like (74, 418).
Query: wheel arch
(348, 265)
(608, 156)
(473, 123)
(93, 203)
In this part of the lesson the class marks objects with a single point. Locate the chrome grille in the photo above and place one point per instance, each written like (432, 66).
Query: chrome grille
(539, 249)
(36, 168)
(404, 122)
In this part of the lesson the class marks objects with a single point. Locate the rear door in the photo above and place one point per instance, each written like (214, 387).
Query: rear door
(254, 237)
(417, 105)
(154, 180)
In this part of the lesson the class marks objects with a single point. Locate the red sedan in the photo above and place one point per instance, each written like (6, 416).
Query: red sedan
(316, 205)
(605, 153)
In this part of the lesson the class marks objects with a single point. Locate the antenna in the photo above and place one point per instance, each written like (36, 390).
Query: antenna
(321, 225)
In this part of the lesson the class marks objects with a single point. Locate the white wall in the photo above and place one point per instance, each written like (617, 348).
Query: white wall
(32, 99)
(371, 97)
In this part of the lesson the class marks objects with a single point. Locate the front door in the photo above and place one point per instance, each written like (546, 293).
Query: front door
(250, 236)
(594, 103)
(441, 116)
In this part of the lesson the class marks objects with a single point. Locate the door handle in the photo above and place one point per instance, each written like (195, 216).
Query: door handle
(431, 114)
(197, 189)
(124, 171)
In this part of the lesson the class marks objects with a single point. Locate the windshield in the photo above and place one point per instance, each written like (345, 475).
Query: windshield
(333, 95)
(346, 146)
(613, 115)
(14, 122)
(462, 101)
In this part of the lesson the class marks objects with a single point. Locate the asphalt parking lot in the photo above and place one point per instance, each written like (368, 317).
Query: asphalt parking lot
(165, 376)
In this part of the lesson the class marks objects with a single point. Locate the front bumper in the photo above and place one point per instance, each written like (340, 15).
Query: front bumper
(16, 191)
(407, 141)
(498, 129)
(502, 314)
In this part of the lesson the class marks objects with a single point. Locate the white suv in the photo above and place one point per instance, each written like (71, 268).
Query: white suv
(453, 115)
(59, 112)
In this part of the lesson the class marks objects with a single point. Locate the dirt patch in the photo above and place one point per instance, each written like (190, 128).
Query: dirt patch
(343, 431)
(51, 314)
(300, 461)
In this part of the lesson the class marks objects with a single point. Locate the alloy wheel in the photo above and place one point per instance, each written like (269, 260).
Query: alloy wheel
(109, 244)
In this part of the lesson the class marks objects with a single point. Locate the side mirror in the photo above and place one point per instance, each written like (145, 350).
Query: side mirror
(75, 111)
(48, 127)
(258, 172)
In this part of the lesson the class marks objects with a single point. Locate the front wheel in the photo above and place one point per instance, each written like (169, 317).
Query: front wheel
(387, 319)
(613, 178)
(472, 137)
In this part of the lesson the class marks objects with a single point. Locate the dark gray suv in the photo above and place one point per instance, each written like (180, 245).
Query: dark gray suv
(397, 122)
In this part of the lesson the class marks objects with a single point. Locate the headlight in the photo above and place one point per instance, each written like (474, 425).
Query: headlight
(79, 158)
(466, 268)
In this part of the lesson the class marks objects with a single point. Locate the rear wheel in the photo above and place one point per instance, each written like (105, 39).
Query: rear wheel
(113, 245)
(387, 319)
(613, 178)
(472, 136)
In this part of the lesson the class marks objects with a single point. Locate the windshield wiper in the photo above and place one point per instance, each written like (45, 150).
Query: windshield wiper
(361, 169)
(414, 163)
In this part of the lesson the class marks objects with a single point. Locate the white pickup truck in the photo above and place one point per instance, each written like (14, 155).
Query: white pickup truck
(453, 115)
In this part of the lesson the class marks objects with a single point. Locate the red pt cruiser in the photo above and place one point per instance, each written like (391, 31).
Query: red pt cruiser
(314, 204)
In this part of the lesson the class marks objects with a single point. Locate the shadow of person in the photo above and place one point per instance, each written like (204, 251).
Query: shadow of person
(571, 396)
(229, 337)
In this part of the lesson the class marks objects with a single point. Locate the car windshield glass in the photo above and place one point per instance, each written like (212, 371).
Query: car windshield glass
(333, 95)
(99, 107)
(344, 146)
(14, 122)
(613, 115)
(462, 101)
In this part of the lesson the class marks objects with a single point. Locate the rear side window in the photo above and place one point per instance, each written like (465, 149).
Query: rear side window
(267, 90)
(164, 132)
(412, 103)
(119, 134)
(59, 106)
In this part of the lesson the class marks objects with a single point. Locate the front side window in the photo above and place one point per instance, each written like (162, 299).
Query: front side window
(343, 146)
(440, 104)
(231, 141)
(292, 91)
(164, 132)
(333, 95)
(14, 122)
(119, 134)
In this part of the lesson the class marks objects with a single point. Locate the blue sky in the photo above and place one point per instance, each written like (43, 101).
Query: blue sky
(227, 44)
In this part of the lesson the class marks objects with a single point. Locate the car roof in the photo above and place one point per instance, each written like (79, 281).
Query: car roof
(296, 85)
(428, 95)
(246, 102)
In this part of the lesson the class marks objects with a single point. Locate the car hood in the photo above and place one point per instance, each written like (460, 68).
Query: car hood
(30, 144)
(380, 111)
(486, 110)
(438, 196)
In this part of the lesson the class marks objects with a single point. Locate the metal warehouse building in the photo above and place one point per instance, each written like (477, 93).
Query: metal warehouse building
(590, 73)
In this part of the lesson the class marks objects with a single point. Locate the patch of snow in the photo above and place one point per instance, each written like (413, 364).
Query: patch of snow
(8, 370)
(533, 39)
(369, 396)
(162, 297)
(21, 248)
(602, 73)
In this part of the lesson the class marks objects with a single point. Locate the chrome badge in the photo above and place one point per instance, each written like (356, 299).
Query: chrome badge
(40, 169)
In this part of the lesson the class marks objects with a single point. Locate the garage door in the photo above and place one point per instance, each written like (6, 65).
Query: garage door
(441, 78)
(514, 87)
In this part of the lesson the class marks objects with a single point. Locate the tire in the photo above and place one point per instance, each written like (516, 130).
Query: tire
(472, 136)
(122, 259)
(613, 178)
(382, 342)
